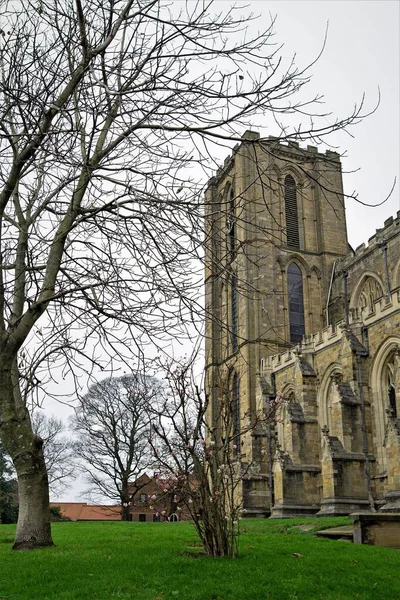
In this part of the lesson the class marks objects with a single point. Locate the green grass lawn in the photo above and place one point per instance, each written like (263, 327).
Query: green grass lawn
(162, 561)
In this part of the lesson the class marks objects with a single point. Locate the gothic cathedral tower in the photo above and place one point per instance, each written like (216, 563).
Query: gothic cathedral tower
(275, 225)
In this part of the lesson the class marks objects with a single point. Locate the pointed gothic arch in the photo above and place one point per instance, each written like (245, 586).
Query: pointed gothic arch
(299, 260)
(368, 289)
(385, 386)
(295, 172)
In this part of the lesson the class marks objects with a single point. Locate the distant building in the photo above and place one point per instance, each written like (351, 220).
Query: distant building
(81, 511)
(153, 501)
(291, 308)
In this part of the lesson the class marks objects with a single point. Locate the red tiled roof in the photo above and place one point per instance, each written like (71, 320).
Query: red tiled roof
(81, 511)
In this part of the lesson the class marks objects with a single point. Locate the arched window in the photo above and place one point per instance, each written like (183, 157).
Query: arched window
(296, 303)
(232, 223)
(369, 293)
(292, 221)
(234, 306)
(235, 414)
(391, 391)
(385, 383)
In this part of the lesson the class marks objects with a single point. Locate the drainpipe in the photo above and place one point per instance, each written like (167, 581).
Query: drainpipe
(364, 435)
(385, 260)
(346, 300)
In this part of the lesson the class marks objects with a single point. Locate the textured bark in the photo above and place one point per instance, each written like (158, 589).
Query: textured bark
(26, 451)
(33, 528)
(125, 500)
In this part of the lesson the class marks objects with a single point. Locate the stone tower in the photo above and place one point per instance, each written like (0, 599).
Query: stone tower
(275, 226)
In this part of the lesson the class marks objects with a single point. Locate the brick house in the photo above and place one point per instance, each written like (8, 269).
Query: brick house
(151, 501)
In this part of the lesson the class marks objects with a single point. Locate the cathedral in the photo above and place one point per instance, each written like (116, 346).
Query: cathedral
(297, 319)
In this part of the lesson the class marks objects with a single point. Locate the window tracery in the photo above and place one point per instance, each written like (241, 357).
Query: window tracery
(370, 292)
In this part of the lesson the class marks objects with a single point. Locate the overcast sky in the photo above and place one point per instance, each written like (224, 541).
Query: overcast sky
(361, 56)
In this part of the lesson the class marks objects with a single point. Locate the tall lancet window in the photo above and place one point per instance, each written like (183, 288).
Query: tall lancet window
(296, 303)
(232, 223)
(391, 390)
(234, 312)
(292, 221)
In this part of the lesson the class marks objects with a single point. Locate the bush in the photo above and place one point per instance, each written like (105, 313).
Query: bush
(56, 514)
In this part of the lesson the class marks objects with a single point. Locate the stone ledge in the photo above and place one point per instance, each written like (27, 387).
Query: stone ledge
(332, 507)
(305, 468)
(287, 511)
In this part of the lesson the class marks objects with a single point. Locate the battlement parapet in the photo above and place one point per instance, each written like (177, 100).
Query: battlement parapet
(311, 343)
(381, 308)
(380, 238)
(291, 146)
(276, 144)
(315, 342)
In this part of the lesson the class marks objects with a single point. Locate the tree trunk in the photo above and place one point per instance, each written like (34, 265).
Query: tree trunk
(33, 527)
(125, 501)
(26, 451)
(126, 511)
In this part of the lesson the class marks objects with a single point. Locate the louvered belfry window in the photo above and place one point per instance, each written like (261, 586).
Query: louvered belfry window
(292, 221)
(296, 303)
(234, 306)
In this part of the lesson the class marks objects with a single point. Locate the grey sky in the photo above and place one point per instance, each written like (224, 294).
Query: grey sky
(361, 55)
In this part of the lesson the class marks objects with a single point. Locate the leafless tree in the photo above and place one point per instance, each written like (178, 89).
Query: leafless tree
(112, 425)
(199, 464)
(57, 447)
(105, 111)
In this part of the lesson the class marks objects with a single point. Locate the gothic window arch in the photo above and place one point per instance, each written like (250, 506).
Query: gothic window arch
(291, 212)
(388, 376)
(385, 385)
(295, 303)
(368, 290)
